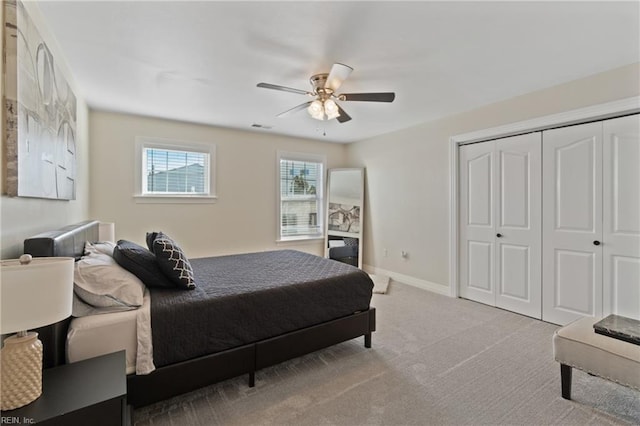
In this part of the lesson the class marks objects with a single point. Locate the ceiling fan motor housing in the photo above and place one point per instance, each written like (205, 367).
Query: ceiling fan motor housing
(318, 82)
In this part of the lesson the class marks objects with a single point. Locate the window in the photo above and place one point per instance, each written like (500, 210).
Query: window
(173, 170)
(301, 183)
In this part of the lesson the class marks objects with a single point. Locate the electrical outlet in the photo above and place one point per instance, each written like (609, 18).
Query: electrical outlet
(385, 253)
(404, 254)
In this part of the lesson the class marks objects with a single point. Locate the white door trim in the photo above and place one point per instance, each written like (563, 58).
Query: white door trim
(576, 116)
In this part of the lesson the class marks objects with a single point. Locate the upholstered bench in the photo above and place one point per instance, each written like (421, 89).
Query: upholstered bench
(577, 345)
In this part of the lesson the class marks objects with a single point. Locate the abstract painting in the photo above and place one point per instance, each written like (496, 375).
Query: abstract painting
(40, 110)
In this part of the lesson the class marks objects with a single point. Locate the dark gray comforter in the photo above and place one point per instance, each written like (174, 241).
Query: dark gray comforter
(244, 298)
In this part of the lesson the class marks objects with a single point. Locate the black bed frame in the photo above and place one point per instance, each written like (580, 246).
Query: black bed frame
(176, 379)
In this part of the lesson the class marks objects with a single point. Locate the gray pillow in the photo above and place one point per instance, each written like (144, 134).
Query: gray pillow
(100, 282)
(105, 247)
(142, 263)
(150, 238)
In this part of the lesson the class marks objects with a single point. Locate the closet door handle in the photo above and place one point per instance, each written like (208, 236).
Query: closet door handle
(499, 235)
(596, 243)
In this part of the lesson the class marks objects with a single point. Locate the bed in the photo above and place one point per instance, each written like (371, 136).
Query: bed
(248, 312)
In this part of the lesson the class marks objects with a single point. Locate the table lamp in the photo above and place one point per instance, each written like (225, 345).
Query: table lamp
(106, 231)
(33, 293)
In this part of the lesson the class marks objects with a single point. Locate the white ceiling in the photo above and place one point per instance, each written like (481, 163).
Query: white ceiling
(200, 61)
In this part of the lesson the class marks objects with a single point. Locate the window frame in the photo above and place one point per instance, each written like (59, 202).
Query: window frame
(147, 142)
(319, 196)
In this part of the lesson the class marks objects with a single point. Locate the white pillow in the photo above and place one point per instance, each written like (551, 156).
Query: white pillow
(100, 282)
(104, 247)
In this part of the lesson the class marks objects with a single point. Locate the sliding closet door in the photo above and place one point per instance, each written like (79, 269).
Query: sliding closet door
(500, 223)
(477, 224)
(518, 224)
(572, 223)
(621, 215)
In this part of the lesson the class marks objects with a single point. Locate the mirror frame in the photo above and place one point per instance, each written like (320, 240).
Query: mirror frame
(329, 232)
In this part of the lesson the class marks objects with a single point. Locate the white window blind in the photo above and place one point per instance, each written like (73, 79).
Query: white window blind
(301, 183)
(175, 172)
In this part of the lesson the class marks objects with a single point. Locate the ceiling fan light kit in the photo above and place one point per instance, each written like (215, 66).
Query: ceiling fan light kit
(323, 109)
(324, 86)
(316, 110)
(331, 109)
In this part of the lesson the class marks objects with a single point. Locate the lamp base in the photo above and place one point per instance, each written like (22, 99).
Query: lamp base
(21, 371)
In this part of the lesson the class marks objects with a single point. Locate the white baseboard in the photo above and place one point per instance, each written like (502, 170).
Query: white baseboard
(406, 279)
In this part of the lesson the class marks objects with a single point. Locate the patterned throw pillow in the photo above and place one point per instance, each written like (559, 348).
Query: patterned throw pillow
(173, 261)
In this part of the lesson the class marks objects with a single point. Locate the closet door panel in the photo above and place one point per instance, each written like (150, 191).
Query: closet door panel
(621, 216)
(575, 180)
(575, 281)
(480, 192)
(622, 288)
(515, 264)
(572, 223)
(477, 222)
(480, 277)
(518, 230)
(514, 188)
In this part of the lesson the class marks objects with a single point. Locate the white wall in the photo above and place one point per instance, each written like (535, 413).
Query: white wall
(23, 217)
(407, 189)
(244, 217)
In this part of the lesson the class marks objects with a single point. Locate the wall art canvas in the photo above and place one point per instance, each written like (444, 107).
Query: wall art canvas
(40, 111)
(344, 218)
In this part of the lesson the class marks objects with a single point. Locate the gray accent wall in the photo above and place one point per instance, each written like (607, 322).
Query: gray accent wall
(407, 185)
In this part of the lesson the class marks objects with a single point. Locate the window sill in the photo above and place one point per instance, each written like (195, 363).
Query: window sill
(303, 239)
(175, 199)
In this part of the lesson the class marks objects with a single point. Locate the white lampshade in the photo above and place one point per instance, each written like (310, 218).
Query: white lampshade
(35, 294)
(106, 231)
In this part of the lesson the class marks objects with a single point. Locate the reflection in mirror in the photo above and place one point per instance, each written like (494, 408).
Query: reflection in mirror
(345, 196)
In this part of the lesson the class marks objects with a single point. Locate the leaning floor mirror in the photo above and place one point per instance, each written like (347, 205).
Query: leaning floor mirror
(345, 205)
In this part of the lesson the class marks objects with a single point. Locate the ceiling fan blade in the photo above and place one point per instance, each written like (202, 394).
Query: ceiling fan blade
(337, 75)
(343, 117)
(294, 109)
(283, 88)
(368, 97)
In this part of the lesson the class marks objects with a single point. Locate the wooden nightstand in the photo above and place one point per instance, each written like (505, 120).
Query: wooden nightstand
(90, 392)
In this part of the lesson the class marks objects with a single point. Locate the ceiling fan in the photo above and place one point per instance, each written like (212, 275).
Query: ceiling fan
(324, 85)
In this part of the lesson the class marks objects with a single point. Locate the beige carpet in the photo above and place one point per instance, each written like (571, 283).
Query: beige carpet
(435, 360)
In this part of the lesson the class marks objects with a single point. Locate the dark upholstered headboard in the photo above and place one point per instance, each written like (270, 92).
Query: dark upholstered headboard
(67, 242)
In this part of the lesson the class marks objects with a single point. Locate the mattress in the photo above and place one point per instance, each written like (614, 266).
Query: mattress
(245, 298)
(95, 335)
